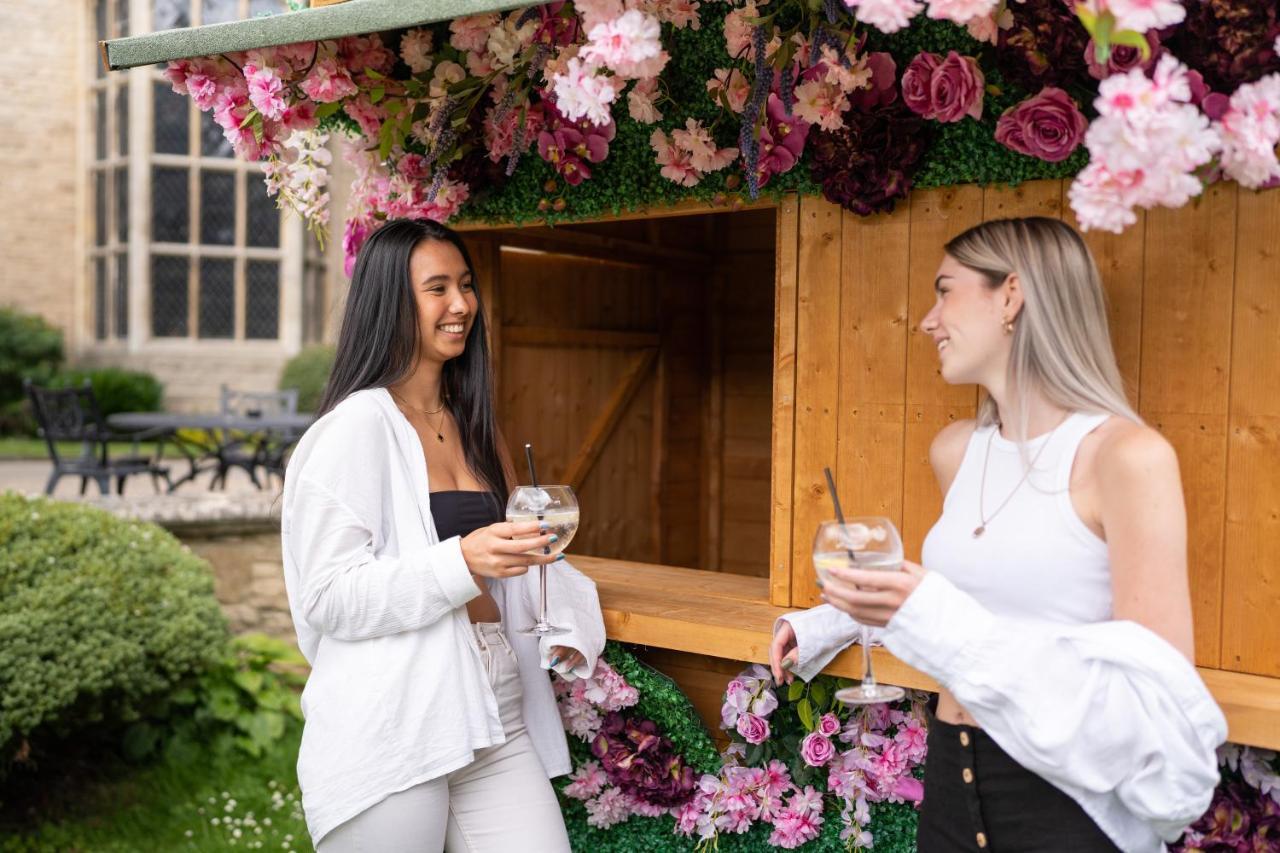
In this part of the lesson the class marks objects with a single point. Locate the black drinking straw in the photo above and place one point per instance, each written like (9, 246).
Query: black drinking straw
(533, 472)
(835, 500)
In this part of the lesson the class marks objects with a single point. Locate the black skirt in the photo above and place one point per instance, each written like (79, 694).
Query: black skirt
(979, 800)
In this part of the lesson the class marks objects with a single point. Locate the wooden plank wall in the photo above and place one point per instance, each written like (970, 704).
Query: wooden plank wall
(1194, 302)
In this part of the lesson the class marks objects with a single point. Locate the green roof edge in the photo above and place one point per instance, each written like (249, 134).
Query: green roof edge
(352, 17)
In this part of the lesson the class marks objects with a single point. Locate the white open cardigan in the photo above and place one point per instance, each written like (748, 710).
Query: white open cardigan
(397, 693)
(1108, 712)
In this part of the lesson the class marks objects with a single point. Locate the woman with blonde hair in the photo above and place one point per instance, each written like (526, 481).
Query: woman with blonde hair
(1053, 605)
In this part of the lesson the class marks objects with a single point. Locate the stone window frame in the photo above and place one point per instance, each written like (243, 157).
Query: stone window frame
(132, 304)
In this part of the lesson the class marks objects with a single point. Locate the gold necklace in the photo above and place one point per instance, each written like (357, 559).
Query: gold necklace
(985, 519)
(425, 412)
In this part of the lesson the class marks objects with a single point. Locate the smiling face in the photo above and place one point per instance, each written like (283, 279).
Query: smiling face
(966, 323)
(446, 298)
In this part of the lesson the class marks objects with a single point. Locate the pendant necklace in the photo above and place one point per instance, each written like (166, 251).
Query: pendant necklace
(985, 519)
(426, 413)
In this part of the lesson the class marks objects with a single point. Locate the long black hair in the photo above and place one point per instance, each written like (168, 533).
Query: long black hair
(378, 343)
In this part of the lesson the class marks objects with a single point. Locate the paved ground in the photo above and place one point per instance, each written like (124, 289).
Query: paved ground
(192, 501)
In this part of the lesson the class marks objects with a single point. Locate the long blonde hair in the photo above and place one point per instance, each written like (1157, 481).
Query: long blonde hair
(1061, 344)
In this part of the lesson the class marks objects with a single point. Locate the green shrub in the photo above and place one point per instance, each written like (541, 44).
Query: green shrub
(31, 349)
(308, 371)
(99, 616)
(117, 390)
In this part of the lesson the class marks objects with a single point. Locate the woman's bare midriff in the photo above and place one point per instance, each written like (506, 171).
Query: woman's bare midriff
(483, 608)
(950, 711)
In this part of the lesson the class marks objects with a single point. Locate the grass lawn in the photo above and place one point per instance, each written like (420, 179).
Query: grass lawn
(19, 447)
(205, 803)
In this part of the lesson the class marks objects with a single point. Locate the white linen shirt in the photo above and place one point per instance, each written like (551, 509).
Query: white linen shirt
(398, 693)
(1107, 712)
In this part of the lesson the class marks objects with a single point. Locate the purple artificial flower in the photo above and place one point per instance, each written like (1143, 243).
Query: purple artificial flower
(828, 725)
(816, 750)
(753, 729)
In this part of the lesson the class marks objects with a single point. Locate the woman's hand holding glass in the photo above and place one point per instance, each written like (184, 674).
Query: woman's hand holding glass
(869, 596)
(507, 549)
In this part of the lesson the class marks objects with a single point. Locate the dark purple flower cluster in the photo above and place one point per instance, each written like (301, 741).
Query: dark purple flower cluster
(1228, 41)
(1044, 47)
(867, 165)
(642, 762)
(1240, 819)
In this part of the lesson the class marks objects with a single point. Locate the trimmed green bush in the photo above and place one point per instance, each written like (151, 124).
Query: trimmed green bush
(31, 349)
(308, 371)
(99, 617)
(117, 390)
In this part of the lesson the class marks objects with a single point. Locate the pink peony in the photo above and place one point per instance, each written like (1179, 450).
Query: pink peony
(580, 92)
(816, 749)
(1047, 125)
(1250, 131)
(471, 32)
(328, 82)
(753, 729)
(299, 116)
(887, 16)
(587, 781)
(415, 50)
(624, 42)
(266, 90)
(595, 12)
(445, 75)
(961, 11)
(611, 807)
(1140, 15)
(366, 114)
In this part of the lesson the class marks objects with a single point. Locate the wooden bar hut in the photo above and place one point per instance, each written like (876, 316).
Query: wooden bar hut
(705, 362)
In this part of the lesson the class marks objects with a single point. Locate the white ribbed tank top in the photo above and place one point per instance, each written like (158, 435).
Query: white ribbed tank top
(1036, 559)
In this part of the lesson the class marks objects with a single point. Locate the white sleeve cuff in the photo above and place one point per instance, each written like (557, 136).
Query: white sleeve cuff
(451, 571)
(822, 632)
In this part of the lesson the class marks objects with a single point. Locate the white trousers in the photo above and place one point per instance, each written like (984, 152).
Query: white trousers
(500, 802)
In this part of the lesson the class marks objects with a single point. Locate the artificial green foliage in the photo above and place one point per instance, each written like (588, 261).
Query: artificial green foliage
(308, 371)
(116, 390)
(99, 616)
(662, 701)
(965, 152)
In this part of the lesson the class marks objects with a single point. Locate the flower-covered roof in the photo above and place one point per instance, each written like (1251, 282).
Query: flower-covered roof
(352, 17)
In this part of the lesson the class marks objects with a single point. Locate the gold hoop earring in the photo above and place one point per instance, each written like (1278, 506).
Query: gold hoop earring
(1008, 326)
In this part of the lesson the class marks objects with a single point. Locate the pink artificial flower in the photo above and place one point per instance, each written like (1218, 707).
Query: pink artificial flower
(1048, 125)
(775, 779)
(360, 53)
(888, 16)
(913, 737)
(945, 90)
(355, 232)
(472, 31)
(587, 781)
(446, 74)
(507, 40)
(987, 28)
(500, 136)
(731, 85)
(790, 829)
(204, 79)
(807, 801)
(828, 725)
(1100, 198)
(624, 42)
(328, 82)
(821, 103)
(1123, 58)
(481, 65)
(595, 12)
(816, 750)
(909, 788)
(1250, 131)
(415, 50)
(961, 11)
(609, 808)
(266, 90)
(677, 165)
(677, 13)
(640, 104)
(705, 157)
(737, 31)
(366, 114)
(299, 116)
(1141, 15)
(782, 140)
(753, 729)
(582, 92)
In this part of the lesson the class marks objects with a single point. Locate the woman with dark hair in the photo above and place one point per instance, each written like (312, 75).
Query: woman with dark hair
(430, 724)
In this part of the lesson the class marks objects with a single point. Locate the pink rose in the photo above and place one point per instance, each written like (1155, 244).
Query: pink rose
(828, 725)
(816, 749)
(1123, 58)
(1047, 125)
(957, 89)
(944, 90)
(753, 729)
(915, 83)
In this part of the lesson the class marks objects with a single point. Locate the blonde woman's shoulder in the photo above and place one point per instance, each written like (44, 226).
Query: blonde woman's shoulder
(1123, 446)
(947, 450)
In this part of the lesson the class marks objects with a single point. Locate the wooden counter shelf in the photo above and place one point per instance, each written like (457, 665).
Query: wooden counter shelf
(728, 616)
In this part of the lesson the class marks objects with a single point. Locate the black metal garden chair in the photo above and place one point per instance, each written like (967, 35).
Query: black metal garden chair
(263, 451)
(73, 415)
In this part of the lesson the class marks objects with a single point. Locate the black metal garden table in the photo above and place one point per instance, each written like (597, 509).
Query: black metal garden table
(219, 442)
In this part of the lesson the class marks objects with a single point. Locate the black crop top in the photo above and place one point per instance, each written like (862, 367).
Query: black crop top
(457, 513)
